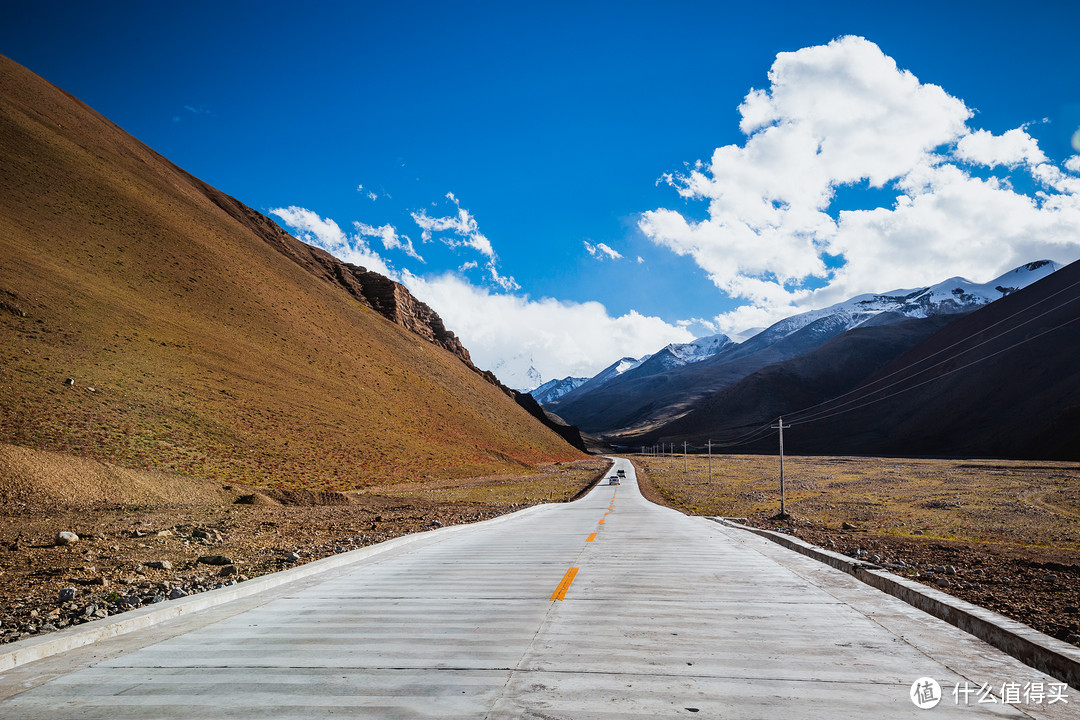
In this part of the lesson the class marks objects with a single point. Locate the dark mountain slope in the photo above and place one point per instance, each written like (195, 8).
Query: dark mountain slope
(1009, 386)
(1002, 381)
(831, 370)
(635, 403)
(201, 338)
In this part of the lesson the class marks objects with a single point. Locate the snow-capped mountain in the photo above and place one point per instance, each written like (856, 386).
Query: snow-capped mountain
(612, 371)
(955, 295)
(667, 386)
(677, 354)
(552, 390)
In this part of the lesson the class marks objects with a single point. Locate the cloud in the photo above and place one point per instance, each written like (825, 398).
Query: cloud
(510, 334)
(371, 195)
(327, 234)
(465, 232)
(602, 250)
(844, 116)
(1012, 148)
(391, 240)
(199, 110)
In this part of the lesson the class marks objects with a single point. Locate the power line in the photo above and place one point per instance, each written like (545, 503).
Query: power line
(938, 377)
(864, 391)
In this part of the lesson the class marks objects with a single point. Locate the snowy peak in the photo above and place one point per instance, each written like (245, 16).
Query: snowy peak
(554, 389)
(679, 354)
(699, 349)
(955, 295)
(617, 368)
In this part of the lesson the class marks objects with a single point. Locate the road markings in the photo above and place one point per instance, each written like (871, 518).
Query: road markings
(601, 521)
(591, 538)
(560, 592)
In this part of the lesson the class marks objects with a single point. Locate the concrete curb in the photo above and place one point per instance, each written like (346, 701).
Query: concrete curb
(42, 646)
(1031, 647)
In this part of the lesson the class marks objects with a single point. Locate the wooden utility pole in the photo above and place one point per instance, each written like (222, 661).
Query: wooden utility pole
(780, 426)
(684, 457)
(710, 462)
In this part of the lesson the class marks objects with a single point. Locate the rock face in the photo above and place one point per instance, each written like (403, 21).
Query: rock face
(390, 299)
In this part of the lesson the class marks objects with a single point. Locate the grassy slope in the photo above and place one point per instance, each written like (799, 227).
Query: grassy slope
(210, 353)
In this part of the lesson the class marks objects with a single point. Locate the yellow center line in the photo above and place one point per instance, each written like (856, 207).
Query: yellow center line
(560, 592)
(601, 521)
(591, 538)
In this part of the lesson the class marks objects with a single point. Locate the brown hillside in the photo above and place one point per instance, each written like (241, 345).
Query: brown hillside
(199, 342)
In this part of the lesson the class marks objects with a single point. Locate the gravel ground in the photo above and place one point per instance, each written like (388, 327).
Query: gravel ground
(138, 545)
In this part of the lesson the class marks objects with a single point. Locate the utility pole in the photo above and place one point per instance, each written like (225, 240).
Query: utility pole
(684, 457)
(710, 462)
(780, 426)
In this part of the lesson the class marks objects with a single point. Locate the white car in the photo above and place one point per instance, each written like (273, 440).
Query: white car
(613, 480)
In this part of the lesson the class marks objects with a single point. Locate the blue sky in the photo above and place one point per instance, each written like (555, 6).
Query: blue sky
(544, 175)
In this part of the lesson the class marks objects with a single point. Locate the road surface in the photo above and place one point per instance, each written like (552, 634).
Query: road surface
(609, 607)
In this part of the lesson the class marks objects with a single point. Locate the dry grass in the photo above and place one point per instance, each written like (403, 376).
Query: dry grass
(195, 346)
(557, 482)
(1017, 503)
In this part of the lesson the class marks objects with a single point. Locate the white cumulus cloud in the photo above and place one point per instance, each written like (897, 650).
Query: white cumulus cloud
(602, 250)
(845, 115)
(391, 240)
(464, 232)
(509, 334)
(327, 234)
(512, 335)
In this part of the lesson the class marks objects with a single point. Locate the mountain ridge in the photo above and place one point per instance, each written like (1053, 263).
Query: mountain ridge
(653, 394)
(200, 338)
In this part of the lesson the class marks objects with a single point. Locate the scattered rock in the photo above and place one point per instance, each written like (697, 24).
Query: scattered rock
(943, 582)
(849, 526)
(66, 594)
(227, 571)
(160, 565)
(1051, 577)
(436, 524)
(206, 534)
(65, 537)
(214, 560)
(177, 593)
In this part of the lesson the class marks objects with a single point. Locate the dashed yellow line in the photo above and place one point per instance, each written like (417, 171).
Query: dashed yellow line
(591, 538)
(568, 578)
(601, 521)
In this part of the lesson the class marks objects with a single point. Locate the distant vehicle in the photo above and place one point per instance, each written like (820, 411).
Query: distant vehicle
(621, 473)
(613, 480)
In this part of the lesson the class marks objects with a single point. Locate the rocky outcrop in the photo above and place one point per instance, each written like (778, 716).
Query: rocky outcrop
(390, 299)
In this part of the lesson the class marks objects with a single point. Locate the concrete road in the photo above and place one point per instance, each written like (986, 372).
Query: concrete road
(609, 607)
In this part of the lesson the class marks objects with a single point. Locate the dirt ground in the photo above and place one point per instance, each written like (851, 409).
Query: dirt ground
(146, 537)
(1004, 535)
